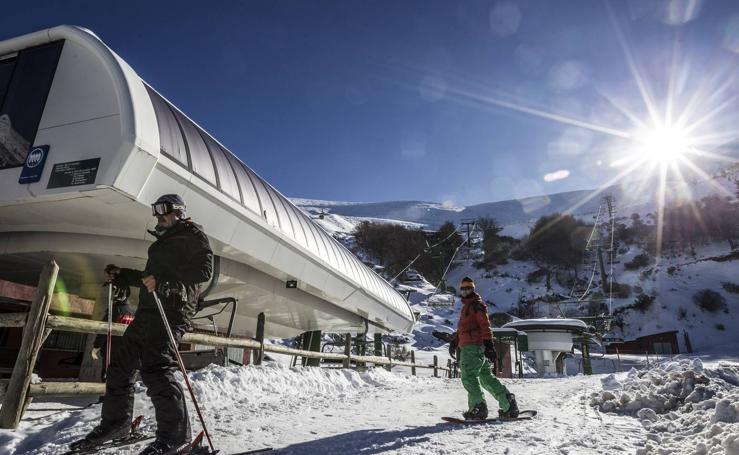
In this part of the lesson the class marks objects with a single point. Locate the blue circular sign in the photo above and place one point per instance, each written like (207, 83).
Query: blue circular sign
(35, 157)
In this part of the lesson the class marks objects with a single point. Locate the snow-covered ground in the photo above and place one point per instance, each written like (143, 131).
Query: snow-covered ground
(321, 411)
(680, 407)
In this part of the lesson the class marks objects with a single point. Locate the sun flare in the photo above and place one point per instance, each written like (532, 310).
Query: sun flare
(665, 145)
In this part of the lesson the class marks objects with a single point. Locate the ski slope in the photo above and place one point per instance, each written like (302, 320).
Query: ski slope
(328, 411)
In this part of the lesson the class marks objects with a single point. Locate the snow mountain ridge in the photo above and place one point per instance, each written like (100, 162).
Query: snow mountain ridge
(631, 197)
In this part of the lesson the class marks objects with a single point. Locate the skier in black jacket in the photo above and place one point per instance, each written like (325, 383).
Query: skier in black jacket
(179, 262)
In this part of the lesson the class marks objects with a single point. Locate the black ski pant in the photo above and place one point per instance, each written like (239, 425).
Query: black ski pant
(115, 344)
(145, 347)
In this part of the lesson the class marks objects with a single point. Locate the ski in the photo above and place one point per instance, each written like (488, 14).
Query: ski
(133, 438)
(523, 415)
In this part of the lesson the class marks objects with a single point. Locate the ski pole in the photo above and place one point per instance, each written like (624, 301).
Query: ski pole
(110, 327)
(182, 368)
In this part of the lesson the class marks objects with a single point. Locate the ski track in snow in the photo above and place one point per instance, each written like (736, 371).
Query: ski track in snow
(322, 411)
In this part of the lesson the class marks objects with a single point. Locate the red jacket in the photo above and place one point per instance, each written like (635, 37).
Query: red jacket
(473, 326)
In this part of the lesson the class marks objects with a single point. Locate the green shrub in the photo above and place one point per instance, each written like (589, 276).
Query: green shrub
(498, 319)
(710, 300)
(639, 261)
(620, 290)
(643, 302)
(536, 275)
(730, 287)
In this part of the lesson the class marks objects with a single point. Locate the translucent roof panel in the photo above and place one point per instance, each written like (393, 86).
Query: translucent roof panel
(226, 178)
(248, 191)
(170, 135)
(202, 163)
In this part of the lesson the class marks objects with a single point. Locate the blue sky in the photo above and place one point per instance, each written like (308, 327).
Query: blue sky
(461, 102)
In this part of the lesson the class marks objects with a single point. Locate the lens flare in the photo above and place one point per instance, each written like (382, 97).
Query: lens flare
(666, 145)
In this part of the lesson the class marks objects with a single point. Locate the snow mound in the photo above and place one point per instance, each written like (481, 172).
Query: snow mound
(224, 387)
(229, 397)
(685, 407)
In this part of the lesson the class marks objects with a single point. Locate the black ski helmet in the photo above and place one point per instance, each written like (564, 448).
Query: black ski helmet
(168, 203)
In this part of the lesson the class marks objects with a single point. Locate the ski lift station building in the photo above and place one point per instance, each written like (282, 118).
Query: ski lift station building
(86, 146)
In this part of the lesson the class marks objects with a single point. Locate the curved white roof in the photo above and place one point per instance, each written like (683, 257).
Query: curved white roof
(149, 147)
(531, 325)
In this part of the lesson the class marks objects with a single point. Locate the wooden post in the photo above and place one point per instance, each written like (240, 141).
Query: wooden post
(378, 344)
(33, 335)
(347, 351)
(90, 369)
(449, 368)
(436, 366)
(259, 353)
(389, 357)
(618, 356)
(647, 354)
(413, 361)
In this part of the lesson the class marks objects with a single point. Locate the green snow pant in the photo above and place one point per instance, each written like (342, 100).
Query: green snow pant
(475, 373)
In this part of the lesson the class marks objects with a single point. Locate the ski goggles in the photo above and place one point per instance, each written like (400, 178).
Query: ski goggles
(165, 208)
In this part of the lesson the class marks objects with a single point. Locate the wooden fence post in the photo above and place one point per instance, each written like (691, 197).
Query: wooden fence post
(259, 353)
(413, 361)
(449, 368)
(34, 334)
(436, 366)
(347, 351)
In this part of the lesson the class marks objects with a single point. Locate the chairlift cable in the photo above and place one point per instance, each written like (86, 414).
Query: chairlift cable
(587, 247)
(443, 275)
(425, 251)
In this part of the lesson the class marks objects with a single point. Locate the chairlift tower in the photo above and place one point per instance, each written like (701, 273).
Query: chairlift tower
(468, 224)
(610, 204)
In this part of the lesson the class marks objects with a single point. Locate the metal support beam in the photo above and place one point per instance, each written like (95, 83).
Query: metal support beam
(259, 353)
(311, 342)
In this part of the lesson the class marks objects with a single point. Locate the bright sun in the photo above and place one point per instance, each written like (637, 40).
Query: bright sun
(665, 145)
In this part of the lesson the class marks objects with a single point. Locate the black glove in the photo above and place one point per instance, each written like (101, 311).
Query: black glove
(443, 336)
(490, 353)
(172, 293)
(121, 291)
(453, 349)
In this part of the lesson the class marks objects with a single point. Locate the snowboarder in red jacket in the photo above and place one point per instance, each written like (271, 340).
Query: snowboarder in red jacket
(477, 351)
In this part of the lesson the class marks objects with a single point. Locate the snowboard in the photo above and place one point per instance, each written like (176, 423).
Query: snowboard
(266, 449)
(523, 415)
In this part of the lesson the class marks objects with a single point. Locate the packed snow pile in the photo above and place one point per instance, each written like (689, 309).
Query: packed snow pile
(225, 387)
(685, 407)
